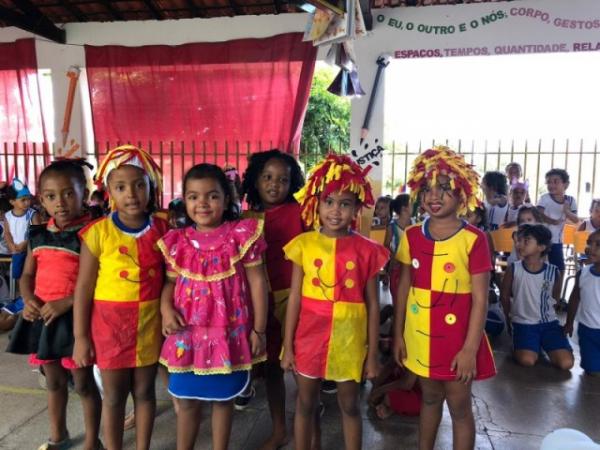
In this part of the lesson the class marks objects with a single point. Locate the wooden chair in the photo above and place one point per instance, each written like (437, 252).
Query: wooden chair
(579, 245)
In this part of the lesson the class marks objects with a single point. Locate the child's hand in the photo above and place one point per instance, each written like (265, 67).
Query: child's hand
(257, 342)
(83, 353)
(288, 361)
(568, 329)
(172, 321)
(52, 310)
(31, 311)
(464, 365)
(399, 350)
(372, 368)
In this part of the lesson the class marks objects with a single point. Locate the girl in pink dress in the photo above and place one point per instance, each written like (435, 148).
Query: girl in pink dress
(213, 306)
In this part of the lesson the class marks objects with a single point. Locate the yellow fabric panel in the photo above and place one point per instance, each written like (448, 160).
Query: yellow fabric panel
(148, 337)
(417, 342)
(110, 285)
(403, 251)
(315, 253)
(450, 273)
(347, 344)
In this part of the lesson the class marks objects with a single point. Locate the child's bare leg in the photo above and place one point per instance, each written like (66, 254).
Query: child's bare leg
(58, 396)
(458, 396)
(347, 396)
(307, 404)
(562, 358)
(431, 412)
(85, 386)
(117, 384)
(275, 385)
(144, 400)
(164, 375)
(526, 358)
(222, 413)
(188, 422)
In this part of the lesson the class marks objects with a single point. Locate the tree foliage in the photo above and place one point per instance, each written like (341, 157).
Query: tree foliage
(327, 122)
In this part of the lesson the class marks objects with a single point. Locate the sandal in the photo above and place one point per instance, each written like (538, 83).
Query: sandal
(61, 445)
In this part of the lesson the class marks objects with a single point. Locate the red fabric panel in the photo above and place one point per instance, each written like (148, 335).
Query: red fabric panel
(250, 93)
(21, 119)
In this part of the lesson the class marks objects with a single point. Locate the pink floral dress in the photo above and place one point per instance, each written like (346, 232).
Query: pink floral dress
(212, 295)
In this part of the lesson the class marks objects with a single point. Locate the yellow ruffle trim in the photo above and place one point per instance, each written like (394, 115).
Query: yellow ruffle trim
(216, 276)
(213, 370)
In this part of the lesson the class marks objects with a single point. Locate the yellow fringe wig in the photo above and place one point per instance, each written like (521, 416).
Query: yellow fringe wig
(336, 173)
(129, 155)
(441, 160)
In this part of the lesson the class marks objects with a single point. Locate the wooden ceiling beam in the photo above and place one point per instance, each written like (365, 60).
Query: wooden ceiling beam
(74, 11)
(158, 15)
(32, 20)
(116, 14)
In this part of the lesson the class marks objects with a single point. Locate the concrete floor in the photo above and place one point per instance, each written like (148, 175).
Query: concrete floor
(514, 410)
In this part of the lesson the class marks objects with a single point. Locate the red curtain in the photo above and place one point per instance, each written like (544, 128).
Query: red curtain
(23, 141)
(213, 102)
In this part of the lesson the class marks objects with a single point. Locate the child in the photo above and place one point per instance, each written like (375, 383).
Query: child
(16, 224)
(556, 208)
(382, 213)
(518, 193)
(585, 303)
(443, 295)
(213, 305)
(47, 287)
(402, 209)
(332, 315)
(235, 184)
(117, 294)
(177, 217)
(533, 286)
(395, 390)
(514, 172)
(270, 182)
(494, 186)
(593, 222)
(526, 215)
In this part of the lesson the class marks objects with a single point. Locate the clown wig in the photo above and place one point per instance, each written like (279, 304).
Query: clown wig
(336, 173)
(464, 180)
(132, 156)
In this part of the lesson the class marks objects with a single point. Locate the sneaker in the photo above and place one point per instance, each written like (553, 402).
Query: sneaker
(14, 307)
(329, 387)
(241, 402)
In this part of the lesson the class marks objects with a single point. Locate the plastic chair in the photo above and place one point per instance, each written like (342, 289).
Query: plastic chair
(503, 239)
(378, 235)
(579, 245)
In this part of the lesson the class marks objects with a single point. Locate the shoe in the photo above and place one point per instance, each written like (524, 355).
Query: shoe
(241, 402)
(328, 387)
(62, 445)
(14, 307)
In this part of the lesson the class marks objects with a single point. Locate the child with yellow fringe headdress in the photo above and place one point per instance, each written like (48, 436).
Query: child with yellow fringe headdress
(332, 321)
(116, 307)
(442, 295)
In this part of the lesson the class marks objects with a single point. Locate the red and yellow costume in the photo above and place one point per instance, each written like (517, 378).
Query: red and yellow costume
(331, 336)
(439, 300)
(125, 326)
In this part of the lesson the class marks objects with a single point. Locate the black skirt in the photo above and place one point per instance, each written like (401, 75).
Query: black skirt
(50, 342)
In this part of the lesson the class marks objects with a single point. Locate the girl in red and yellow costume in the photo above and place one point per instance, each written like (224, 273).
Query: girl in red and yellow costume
(270, 182)
(332, 321)
(118, 289)
(442, 295)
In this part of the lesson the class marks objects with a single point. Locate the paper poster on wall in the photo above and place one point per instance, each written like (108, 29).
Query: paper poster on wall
(528, 26)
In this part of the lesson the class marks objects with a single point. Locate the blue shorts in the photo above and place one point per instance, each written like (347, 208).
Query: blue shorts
(589, 346)
(556, 256)
(540, 336)
(219, 387)
(18, 262)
